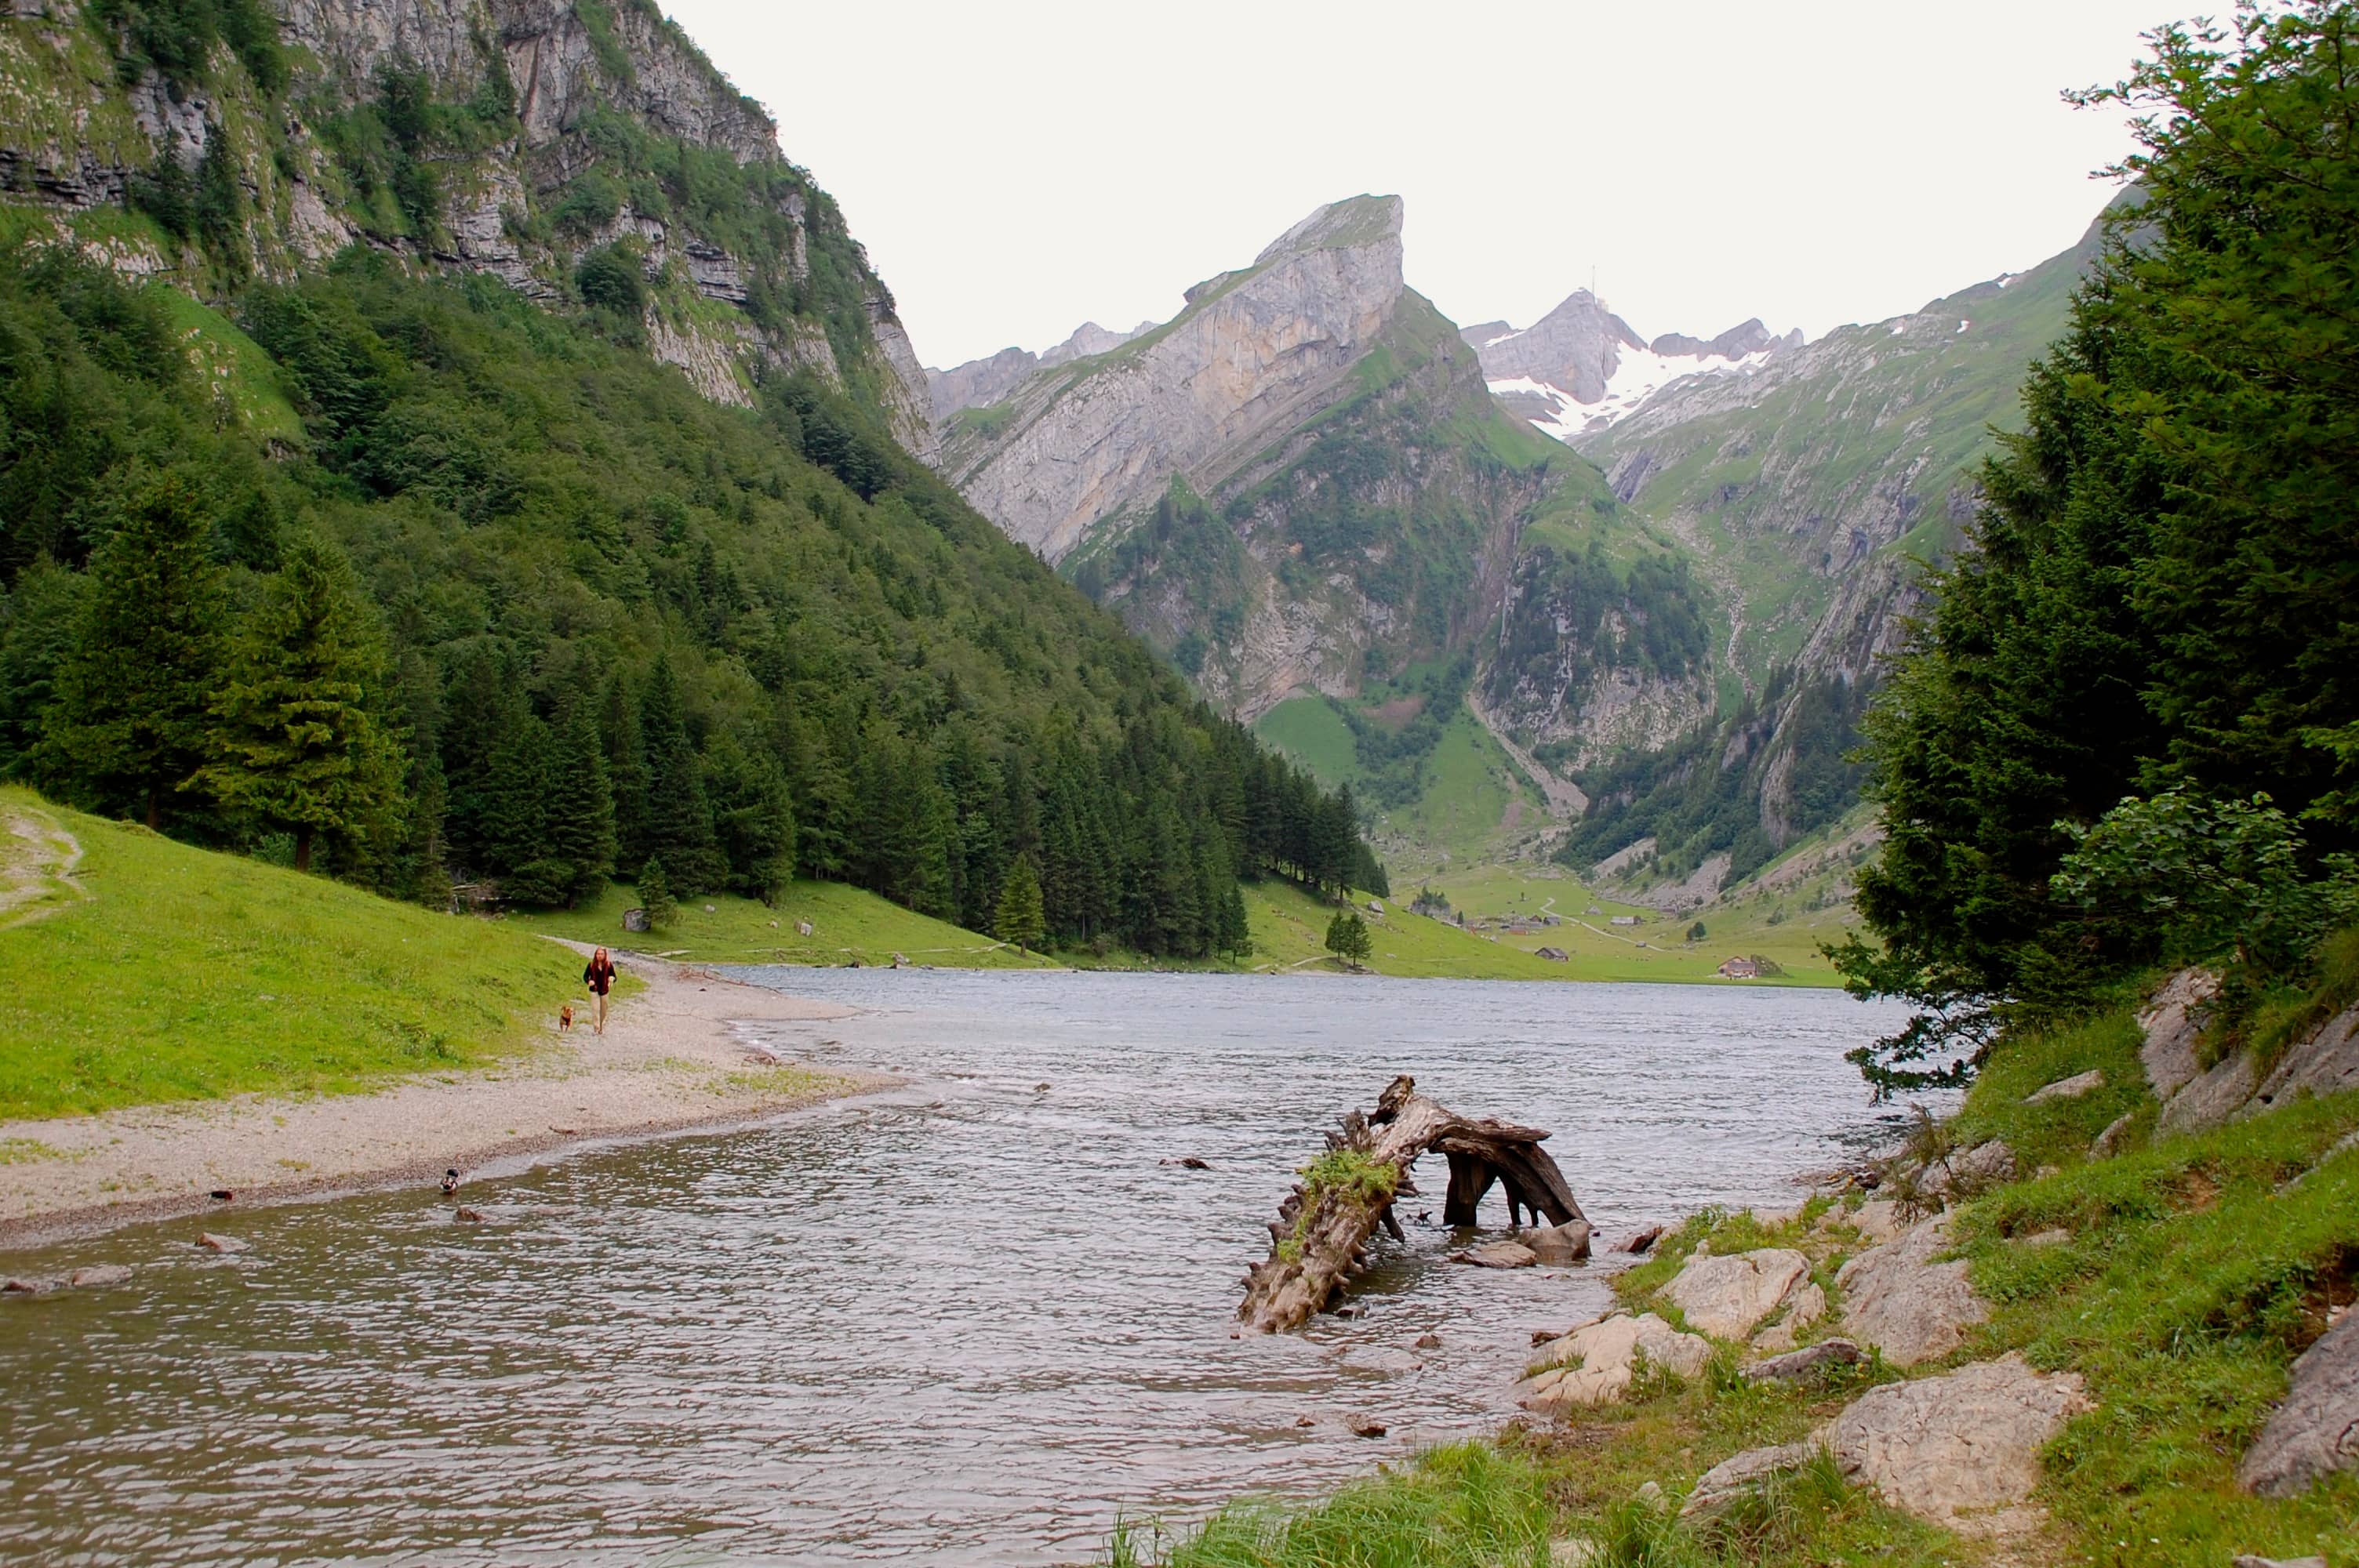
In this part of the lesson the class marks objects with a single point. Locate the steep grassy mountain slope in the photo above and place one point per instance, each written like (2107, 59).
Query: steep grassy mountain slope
(577, 151)
(1301, 491)
(1809, 493)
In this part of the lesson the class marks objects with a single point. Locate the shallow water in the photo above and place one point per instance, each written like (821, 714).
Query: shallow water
(975, 1320)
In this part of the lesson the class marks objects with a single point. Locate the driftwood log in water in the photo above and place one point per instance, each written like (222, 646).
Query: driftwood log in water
(1322, 1230)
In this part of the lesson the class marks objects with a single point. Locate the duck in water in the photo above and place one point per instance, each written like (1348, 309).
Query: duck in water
(450, 1181)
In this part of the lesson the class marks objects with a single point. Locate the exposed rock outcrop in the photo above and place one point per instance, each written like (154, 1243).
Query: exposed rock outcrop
(2074, 1088)
(1595, 1363)
(1942, 1446)
(67, 145)
(2315, 1432)
(1728, 1297)
(1898, 1300)
(1253, 354)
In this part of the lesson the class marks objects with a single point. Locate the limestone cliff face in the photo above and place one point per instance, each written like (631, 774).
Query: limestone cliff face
(567, 72)
(1253, 352)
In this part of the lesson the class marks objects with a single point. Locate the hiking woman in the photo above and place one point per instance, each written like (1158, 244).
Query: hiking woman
(600, 977)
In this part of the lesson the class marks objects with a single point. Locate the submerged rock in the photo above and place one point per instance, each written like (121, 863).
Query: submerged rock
(2315, 1432)
(1728, 1297)
(1566, 1243)
(98, 1274)
(1497, 1255)
(28, 1285)
(212, 1243)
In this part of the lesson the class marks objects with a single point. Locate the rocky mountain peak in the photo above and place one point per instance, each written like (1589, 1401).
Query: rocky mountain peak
(1354, 224)
(1575, 347)
(1079, 442)
(1580, 367)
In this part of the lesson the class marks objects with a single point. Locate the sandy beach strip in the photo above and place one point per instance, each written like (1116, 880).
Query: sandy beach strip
(667, 1061)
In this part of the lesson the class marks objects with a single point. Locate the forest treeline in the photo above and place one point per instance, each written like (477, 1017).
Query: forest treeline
(519, 610)
(2128, 731)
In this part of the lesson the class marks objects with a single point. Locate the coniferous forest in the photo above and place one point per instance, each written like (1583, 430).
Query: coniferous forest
(2128, 731)
(504, 609)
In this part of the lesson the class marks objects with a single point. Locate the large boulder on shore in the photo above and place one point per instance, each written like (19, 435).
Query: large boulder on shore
(1937, 1447)
(1728, 1297)
(1969, 1441)
(1898, 1299)
(2316, 1431)
(1595, 1363)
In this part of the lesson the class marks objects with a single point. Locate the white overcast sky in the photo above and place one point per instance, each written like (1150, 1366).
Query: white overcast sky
(1017, 168)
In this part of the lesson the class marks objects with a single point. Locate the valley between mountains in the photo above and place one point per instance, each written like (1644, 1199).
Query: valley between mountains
(1558, 601)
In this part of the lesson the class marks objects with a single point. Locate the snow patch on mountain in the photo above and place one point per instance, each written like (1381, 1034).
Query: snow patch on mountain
(1639, 374)
(1582, 368)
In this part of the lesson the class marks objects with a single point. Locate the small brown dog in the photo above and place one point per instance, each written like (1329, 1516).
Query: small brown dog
(565, 1016)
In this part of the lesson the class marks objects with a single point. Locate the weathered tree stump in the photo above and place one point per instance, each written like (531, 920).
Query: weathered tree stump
(1322, 1230)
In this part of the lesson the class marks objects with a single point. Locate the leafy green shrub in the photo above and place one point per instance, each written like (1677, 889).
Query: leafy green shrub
(611, 279)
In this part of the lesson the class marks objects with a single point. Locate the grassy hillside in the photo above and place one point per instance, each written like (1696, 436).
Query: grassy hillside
(154, 972)
(847, 925)
(1443, 794)
(1290, 931)
(2189, 1272)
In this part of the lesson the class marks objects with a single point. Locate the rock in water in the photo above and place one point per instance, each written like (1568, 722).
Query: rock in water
(1429, 1341)
(1968, 1440)
(1594, 1364)
(1898, 1300)
(2316, 1431)
(98, 1274)
(466, 1216)
(28, 1285)
(1640, 1244)
(212, 1243)
(1727, 1297)
(1566, 1243)
(1497, 1255)
(1364, 1428)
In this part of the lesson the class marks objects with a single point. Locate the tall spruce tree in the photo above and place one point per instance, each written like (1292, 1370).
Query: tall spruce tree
(626, 770)
(1020, 918)
(2157, 593)
(679, 815)
(580, 830)
(517, 824)
(132, 722)
(302, 744)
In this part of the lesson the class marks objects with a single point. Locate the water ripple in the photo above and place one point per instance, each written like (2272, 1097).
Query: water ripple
(973, 1320)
